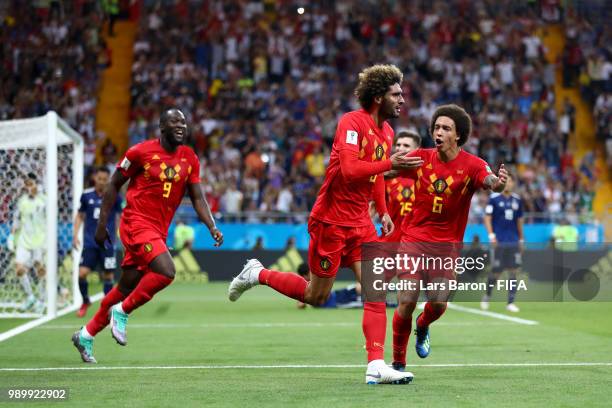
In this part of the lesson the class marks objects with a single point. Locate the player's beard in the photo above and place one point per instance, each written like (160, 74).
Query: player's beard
(173, 141)
(389, 111)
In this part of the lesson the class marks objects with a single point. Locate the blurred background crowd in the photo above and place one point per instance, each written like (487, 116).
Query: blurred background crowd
(263, 84)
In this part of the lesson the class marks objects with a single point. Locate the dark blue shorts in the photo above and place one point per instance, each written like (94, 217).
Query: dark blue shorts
(507, 256)
(94, 257)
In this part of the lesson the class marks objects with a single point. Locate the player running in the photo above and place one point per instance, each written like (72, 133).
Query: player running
(444, 186)
(29, 228)
(504, 223)
(94, 255)
(160, 171)
(339, 222)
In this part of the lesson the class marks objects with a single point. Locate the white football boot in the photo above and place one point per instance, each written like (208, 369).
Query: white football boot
(246, 279)
(511, 307)
(380, 373)
(484, 303)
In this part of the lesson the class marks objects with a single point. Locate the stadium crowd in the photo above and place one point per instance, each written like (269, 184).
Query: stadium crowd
(263, 85)
(52, 53)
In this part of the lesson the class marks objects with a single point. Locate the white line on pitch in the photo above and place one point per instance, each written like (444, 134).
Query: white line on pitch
(491, 314)
(42, 320)
(260, 367)
(253, 325)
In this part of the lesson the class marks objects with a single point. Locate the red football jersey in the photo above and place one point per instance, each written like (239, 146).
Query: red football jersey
(443, 195)
(400, 199)
(158, 180)
(339, 201)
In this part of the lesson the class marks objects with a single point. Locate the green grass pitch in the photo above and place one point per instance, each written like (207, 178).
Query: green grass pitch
(191, 325)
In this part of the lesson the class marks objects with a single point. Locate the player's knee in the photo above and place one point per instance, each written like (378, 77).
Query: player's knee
(405, 309)
(438, 306)
(170, 273)
(316, 298)
(319, 300)
(83, 272)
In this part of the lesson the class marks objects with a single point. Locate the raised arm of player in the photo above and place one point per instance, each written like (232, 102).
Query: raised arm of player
(202, 208)
(497, 183)
(108, 201)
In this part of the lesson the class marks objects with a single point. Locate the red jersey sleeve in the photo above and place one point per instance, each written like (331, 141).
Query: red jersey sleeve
(131, 161)
(347, 134)
(480, 171)
(194, 174)
(379, 196)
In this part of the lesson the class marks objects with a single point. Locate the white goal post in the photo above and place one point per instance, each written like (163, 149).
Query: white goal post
(38, 279)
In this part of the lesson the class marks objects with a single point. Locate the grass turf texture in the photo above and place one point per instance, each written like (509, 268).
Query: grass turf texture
(194, 325)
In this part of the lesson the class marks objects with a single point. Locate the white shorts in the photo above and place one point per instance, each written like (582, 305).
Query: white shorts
(29, 257)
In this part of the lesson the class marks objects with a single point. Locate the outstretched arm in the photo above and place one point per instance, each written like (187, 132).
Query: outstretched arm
(108, 201)
(352, 168)
(202, 208)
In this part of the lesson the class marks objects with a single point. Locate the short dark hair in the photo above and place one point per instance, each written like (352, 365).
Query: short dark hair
(463, 122)
(102, 169)
(375, 81)
(410, 134)
(32, 176)
(165, 112)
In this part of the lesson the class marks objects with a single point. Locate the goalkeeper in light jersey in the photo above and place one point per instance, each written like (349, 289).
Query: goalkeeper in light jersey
(29, 230)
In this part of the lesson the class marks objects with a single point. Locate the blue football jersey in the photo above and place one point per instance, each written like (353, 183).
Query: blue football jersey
(91, 203)
(505, 213)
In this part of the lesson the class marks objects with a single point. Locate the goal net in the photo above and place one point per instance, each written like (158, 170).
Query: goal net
(41, 180)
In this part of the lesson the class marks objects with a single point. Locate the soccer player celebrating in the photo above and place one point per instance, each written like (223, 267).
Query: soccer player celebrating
(93, 255)
(339, 222)
(504, 223)
(400, 190)
(29, 227)
(160, 171)
(444, 186)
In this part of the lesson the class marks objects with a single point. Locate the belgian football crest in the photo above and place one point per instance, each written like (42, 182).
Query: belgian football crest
(325, 264)
(148, 247)
(170, 172)
(406, 193)
(380, 152)
(439, 186)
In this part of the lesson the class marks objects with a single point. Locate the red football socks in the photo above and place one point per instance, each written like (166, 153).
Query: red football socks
(374, 327)
(288, 283)
(149, 285)
(101, 319)
(401, 334)
(430, 314)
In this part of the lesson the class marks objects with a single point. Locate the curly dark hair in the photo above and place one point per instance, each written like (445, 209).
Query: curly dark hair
(463, 122)
(375, 81)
